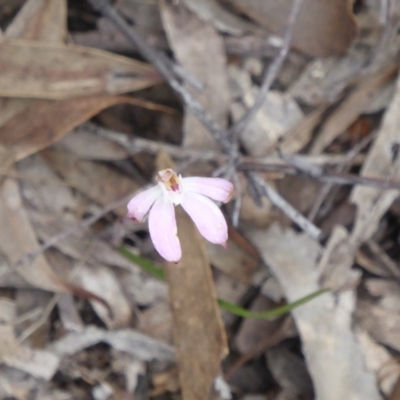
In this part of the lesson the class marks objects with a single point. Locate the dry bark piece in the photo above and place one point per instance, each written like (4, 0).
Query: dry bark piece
(322, 28)
(58, 71)
(200, 50)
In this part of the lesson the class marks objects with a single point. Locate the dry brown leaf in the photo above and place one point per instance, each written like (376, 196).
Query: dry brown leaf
(199, 335)
(200, 50)
(211, 11)
(87, 145)
(323, 28)
(39, 363)
(37, 20)
(55, 71)
(380, 361)
(129, 341)
(333, 355)
(350, 109)
(43, 122)
(99, 182)
(323, 81)
(19, 239)
(383, 162)
(102, 281)
(381, 324)
(43, 20)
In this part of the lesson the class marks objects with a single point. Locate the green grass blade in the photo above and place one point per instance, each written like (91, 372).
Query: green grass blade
(159, 273)
(276, 312)
(144, 263)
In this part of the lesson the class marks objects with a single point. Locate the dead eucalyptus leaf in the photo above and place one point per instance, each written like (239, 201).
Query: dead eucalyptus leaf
(212, 12)
(199, 336)
(44, 20)
(19, 239)
(383, 161)
(200, 50)
(99, 182)
(333, 355)
(43, 122)
(55, 71)
(322, 28)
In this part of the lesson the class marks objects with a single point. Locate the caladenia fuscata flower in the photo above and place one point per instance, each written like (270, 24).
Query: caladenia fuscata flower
(193, 194)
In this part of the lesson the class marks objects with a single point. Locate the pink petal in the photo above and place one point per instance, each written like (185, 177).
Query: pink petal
(207, 217)
(216, 188)
(140, 204)
(163, 230)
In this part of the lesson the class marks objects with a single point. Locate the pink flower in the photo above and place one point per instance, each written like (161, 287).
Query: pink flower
(193, 194)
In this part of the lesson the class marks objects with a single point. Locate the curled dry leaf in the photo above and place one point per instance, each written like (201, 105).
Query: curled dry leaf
(322, 28)
(50, 71)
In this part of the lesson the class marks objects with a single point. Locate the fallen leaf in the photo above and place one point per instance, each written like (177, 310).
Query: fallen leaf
(350, 109)
(43, 122)
(322, 28)
(382, 325)
(99, 182)
(54, 71)
(198, 332)
(87, 145)
(41, 364)
(129, 341)
(380, 361)
(200, 50)
(333, 355)
(199, 335)
(383, 161)
(43, 20)
(211, 11)
(19, 240)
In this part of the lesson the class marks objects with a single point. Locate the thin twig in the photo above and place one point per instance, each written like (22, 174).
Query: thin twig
(228, 145)
(353, 153)
(271, 74)
(164, 66)
(284, 206)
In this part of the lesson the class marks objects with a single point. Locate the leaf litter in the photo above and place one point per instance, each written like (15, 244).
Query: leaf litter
(84, 128)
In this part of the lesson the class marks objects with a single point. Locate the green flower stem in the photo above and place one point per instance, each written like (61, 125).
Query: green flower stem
(158, 273)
